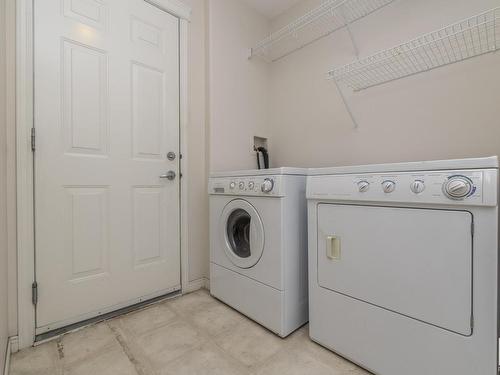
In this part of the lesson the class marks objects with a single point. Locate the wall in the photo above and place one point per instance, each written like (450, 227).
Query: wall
(197, 134)
(238, 87)
(10, 113)
(3, 191)
(451, 112)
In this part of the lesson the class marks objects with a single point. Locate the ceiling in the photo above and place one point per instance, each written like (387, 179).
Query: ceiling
(271, 8)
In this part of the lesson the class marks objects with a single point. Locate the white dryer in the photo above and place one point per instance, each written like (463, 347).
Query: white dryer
(403, 265)
(258, 245)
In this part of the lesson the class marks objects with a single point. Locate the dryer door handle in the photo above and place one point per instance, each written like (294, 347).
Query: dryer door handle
(333, 251)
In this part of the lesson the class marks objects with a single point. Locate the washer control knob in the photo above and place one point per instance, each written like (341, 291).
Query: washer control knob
(267, 186)
(251, 185)
(363, 186)
(458, 187)
(418, 186)
(241, 185)
(388, 186)
(232, 185)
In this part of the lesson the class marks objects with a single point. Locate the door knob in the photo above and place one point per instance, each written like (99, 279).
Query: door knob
(169, 176)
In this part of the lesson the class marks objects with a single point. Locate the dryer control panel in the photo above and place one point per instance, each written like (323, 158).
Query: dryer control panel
(461, 187)
(266, 186)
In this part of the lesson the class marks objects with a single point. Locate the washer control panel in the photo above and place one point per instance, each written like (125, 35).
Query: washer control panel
(248, 186)
(467, 187)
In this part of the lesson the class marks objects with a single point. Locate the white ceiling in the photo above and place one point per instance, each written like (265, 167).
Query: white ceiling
(271, 8)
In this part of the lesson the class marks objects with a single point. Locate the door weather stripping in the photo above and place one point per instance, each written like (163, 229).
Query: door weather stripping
(34, 293)
(33, 139)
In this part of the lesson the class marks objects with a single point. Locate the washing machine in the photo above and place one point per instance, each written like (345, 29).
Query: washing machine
(403, 265)
(258, 245)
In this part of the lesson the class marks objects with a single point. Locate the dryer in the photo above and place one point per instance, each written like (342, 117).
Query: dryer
(258, 245)
(403, 265)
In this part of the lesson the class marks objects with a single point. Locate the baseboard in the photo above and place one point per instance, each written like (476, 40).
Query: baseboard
(193, 286)
(14, 344)
(7, 357)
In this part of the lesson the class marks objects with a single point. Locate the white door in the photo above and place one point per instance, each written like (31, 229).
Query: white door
(106, 117)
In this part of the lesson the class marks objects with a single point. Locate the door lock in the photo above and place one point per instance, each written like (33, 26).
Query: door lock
(171, 156)
(170, 175)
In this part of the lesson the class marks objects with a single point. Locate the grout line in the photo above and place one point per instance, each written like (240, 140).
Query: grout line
(139, 367)
(60, 348)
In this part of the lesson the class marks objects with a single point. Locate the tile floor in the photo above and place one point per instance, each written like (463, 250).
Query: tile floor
(194, 334)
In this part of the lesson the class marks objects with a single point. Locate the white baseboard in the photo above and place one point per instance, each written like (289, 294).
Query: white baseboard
(193, 286)
(7, 357)
(14, 344)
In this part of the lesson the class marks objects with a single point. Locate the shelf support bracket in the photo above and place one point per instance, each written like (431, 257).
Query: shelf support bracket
(356, 52)
(353, 41)
(349, 31)
(346, 104)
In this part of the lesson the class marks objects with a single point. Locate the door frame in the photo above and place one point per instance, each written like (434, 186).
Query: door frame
(25, 157)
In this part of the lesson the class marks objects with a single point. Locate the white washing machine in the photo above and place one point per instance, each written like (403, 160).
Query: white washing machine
(403, 266)
(258, 245)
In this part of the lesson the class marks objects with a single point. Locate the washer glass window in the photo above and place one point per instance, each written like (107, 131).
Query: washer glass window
(238, 232)
(242, 233)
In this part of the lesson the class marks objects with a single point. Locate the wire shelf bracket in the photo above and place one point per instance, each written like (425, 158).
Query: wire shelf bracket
(474, 36)
(324, 20)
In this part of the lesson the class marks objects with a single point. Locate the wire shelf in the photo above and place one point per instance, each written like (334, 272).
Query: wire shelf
(472, 37)
(329, 17)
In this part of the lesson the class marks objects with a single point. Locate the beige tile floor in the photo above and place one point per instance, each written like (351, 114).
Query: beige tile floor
(194, 334)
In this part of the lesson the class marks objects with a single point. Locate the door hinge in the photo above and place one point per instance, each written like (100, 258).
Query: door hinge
(33, 139)
(34, 293)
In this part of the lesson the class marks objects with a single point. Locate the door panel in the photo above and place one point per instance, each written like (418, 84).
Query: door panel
(414, 262)
(84, 99)
(148, 112)
(106, 115)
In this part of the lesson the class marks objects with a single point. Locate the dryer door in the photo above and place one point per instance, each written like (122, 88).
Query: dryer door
(414, 262)
(242, 233)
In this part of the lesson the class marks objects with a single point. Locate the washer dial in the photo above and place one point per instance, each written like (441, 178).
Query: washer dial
(388, 186)
(363, 186)
(458, 187)
(267, 186)
(241, 185)
(418, 186)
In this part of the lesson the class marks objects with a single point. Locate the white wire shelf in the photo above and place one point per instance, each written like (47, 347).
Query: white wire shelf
(471, 37)
(329, 17)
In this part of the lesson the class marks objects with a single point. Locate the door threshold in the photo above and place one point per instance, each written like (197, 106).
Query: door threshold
(48, 336)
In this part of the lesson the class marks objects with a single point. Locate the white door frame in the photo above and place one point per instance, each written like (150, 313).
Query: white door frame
(25, 170)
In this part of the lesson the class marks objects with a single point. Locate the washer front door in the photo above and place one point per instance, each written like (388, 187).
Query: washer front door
(242, 233)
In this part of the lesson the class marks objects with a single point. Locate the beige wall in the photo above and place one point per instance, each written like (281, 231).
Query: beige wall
(3, 192)
(11, 164)
(451, 112)
(197, 146)
(239, 88)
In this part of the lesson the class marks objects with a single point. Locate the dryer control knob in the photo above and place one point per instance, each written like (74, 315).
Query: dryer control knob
(232, 185)
(241, 185)
(363, 186)
(251, 185)
(267, 186)
(418, 186)
(458, 187)
(388, 186)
